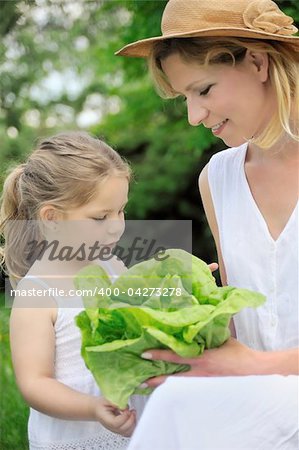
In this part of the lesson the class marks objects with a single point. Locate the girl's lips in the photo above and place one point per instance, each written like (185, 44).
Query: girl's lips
(111, 244)
(219, 130)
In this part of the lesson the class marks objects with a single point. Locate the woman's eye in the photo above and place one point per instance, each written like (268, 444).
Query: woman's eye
(205, 91)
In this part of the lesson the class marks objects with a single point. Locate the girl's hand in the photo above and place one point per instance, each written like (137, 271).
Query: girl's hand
(118, 421)
(231, 359)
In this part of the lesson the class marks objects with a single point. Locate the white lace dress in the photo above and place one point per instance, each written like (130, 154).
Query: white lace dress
(49, 433)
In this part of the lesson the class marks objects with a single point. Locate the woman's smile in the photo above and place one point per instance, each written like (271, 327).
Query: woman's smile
(217, 129)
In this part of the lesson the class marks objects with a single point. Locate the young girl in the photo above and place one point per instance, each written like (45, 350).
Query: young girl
(236, 64)
(72, 190)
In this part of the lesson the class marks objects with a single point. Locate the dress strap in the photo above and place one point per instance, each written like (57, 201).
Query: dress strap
(108, 267)
(38, 281)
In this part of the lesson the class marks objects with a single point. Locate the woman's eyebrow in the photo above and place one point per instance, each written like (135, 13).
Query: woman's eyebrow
(191, 85)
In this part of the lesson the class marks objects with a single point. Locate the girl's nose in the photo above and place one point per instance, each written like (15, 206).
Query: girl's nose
(196, 113)
(115, 227)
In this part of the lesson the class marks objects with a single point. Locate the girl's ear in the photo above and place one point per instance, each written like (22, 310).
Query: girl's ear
(260, 63)
(49, 213)
(49, 217)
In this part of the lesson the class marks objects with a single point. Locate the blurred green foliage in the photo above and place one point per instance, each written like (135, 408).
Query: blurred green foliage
(57, 64)
(13, 411)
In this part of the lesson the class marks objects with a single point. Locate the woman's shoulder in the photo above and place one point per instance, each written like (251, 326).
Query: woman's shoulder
(228, 154)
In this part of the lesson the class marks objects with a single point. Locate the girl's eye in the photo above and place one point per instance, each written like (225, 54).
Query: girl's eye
(99, 219)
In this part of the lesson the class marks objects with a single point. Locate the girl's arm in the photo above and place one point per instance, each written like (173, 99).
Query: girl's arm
(33, 351)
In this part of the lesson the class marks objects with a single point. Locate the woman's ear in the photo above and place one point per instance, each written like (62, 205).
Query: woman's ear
(260, 63)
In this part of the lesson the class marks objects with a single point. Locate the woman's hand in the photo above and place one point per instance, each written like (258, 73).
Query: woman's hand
(231, 359)
(213, 267)
(118, 421)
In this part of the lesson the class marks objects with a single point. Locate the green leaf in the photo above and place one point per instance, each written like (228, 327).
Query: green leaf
(115, 335)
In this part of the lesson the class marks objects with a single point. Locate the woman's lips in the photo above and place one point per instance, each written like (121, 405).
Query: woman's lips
(218, 130)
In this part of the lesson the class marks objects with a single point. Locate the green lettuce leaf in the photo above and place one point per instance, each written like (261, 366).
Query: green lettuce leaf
(137, 316)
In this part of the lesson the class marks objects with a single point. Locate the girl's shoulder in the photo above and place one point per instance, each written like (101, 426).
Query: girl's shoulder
(33, 287)
(33, 293)
(30, 306)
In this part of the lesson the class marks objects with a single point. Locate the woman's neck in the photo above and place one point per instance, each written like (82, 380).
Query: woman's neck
(285, 150)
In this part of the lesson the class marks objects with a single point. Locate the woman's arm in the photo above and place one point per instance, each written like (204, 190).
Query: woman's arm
(206, 197)
(33, 351)
(207, 202)
(231, 359)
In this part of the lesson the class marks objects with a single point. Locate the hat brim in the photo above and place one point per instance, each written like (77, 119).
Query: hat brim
(142, 48)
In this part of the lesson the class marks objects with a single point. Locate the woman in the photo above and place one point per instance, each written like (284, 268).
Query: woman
(236, 64)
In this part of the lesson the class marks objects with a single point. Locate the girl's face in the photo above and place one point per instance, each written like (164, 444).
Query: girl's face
(236, 103)
(98, 223)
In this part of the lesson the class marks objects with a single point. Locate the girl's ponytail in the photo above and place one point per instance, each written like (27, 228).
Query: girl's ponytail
(13, 224)
(11, 198)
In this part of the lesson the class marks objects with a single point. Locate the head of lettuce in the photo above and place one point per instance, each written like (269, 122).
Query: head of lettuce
(171, 303)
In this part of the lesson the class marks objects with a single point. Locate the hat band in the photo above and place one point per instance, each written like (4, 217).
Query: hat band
(259, 15)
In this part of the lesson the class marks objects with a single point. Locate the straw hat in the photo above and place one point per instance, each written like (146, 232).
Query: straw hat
(258, 19)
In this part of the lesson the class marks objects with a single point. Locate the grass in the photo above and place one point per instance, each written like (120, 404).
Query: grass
(13, 410)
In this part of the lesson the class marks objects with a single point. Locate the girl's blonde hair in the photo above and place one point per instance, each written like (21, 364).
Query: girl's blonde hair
(64, 171)
(283, 74)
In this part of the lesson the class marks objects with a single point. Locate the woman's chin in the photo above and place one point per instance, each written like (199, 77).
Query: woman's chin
(234, 141)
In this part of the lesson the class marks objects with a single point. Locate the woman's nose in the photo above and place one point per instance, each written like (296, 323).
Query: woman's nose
(196, 113)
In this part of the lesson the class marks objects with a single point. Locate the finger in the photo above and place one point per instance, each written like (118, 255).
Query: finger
(213, 267)
(126, 409)
(128, 427)
(117, 420)
(164, 355)
(156, 381)
(111, 405)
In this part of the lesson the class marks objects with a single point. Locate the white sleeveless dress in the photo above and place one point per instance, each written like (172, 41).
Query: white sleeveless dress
(253, 259)
(49, 433)
(245, 412)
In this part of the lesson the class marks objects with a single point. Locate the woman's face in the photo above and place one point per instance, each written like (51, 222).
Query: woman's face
(236, 103)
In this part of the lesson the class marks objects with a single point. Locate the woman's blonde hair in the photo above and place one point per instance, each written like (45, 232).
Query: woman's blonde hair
(64, 171)
(283, 74)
